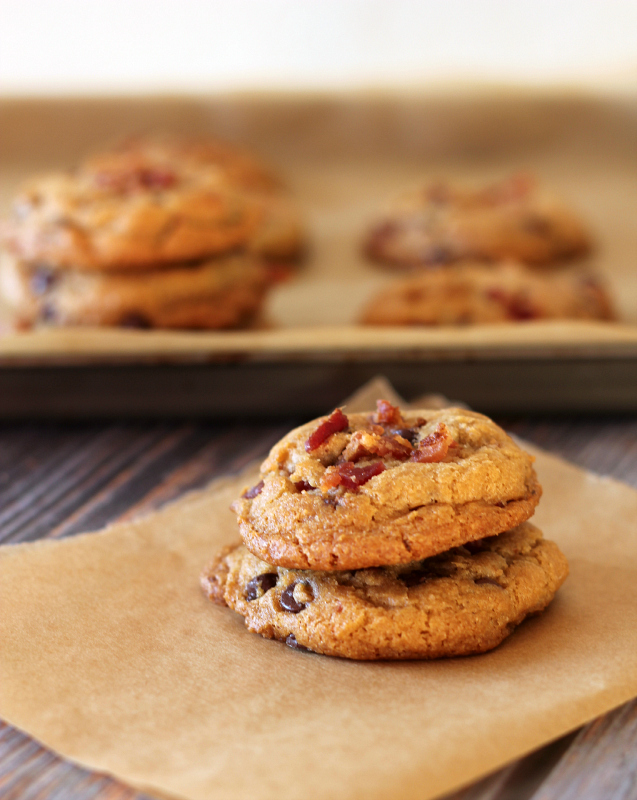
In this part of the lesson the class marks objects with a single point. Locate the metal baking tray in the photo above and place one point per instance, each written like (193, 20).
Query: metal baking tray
(343, 154)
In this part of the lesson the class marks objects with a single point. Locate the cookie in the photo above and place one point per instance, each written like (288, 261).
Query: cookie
(471, 293)
(464, 601)
(137, 218)
(365, 490)
(441, 223)
(218, 293)
(279, 233)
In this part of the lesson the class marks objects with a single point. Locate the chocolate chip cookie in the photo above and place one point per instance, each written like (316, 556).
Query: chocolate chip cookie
(464, 601)
(366, 490)
(470, 293)
(135, 218)
(220, 292)
(279, 233)
(441, 223)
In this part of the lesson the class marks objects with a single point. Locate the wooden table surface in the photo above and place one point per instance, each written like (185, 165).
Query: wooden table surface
(59, 479)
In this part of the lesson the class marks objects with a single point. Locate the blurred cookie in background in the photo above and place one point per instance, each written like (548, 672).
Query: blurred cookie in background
(279, 233)
(471, 293)
(164, 232)
(443, 222)
(221, 292)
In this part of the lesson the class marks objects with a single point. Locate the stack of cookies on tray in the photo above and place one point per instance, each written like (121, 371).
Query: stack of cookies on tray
(162, 232)
(501, 252)
(390, 535)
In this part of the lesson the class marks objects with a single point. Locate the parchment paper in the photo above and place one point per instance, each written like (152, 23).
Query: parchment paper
(111, 656)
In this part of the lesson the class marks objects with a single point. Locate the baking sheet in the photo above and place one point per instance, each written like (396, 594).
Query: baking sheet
(343, 154)
(112, 656)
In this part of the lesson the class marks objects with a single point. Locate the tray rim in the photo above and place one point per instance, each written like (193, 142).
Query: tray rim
(549, 340)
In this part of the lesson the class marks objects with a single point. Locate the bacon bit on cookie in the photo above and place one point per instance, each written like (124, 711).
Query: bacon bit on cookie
(364, 444)
(253, 492)
(279, 271)
(337, 421)
(434, 448)
(350, 477)
(130, 180)
(517, 306)
(387, 414)
(303, 486)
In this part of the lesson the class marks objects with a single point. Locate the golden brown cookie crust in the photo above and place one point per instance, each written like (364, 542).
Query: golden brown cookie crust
(461, 602)
(483, 485)
(441, 223)
(279, 233)
(471, 293)
(218, 293)
(135, 220)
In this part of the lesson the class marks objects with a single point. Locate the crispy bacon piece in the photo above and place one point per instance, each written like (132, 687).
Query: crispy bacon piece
(365, 444)
(434, 448)
(350, 477)
(387, 414)
(517, 306)
(133, 179)
(253, 492)
(337, 421)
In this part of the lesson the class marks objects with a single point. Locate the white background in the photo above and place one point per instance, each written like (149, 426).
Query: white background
(69, 46)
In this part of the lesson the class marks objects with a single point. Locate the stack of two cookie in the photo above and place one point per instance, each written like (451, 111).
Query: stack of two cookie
(486, 254)
(156, 233)
(390, 535)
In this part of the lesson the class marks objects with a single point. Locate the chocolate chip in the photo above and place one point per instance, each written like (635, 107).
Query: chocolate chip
(438, 255)
(291, 642)
(414, 578)
(48, 313)
(411, 434)
(486, 581)
(258, 586)
(289, 602)
(42, 279)
(134, 320)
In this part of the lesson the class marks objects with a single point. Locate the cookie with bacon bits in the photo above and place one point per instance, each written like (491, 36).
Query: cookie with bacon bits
(471, 293)
(350, 491)
(279, 234)
(139, 215)
(464, 601)
(442, 222)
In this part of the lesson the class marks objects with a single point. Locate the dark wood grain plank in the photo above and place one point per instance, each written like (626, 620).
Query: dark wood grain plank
(29, 771)
(518, 780)
(600, 763)
(607, 446)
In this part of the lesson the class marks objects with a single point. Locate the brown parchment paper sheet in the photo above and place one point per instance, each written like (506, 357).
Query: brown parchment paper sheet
(343, 155)
(111, 656)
